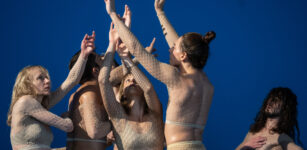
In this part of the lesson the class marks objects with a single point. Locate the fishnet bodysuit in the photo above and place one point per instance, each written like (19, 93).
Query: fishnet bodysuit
(141, 135)
(185, 91)
(30, 120)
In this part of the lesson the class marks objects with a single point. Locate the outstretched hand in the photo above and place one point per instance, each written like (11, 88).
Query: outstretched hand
(150, 49)
(88, 44)
(113, 35)
(110, 6)
(127, 16)
(159, 4)
(122, 50)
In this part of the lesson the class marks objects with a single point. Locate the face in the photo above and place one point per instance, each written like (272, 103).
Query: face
(40, 81)
(175, 53)
(130, 86)
(273, 107)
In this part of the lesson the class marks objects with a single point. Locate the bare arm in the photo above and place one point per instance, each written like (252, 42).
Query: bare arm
(167, 74)
(168, 30)
(95, 125)
(34, 109)
(74, 76)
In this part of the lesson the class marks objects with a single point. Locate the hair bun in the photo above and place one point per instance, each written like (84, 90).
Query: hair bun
(209, 37)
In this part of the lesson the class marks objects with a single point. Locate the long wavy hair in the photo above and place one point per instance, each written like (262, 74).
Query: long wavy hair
(123, 99)
(287, 117)
(24, 86)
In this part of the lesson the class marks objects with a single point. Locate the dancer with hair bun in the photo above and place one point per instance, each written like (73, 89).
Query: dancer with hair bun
(190, 91)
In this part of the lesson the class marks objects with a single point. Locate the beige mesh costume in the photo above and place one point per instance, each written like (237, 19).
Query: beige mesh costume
(128, 134)
(30, 120)
(181, 95)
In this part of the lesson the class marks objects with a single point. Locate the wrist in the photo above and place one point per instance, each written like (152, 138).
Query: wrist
(159, 12)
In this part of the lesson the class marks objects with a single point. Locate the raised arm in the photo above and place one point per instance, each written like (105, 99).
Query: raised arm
(74, 76)
(169, 32)
(95, 123)
(167, 74)
(113, 108)
(34, 109)
(151, 97)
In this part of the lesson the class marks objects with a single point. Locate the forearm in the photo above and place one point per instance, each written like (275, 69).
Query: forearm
(163, 72)
(169, 32)
(111, 105)
(51, 119)
(72, 80)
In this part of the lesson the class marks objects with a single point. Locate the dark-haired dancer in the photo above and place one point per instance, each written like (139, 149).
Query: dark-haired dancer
(275, 124)
(190, 91)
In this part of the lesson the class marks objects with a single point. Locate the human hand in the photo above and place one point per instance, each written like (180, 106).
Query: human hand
(122, 50)
(127, 16)
(110, 6)
(113, 35)
(87, 44)
(65, 114)
(150, 49)
(159, 4)
(255, 142)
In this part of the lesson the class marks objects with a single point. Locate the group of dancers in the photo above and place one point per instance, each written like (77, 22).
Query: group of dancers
(119, 105)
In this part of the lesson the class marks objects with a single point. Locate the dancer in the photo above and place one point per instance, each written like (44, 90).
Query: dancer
(137, 119)
(91, 123)
(28, 115)
(190, 91)
(275, 123)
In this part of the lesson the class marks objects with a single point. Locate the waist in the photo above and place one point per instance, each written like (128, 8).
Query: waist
(85, 140)
(32, 147)
(186, 145)
(185, 125)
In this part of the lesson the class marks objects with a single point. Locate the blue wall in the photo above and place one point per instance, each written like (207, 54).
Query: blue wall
(259, 45)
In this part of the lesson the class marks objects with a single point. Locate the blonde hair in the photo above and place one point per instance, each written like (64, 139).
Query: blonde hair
(24, 86)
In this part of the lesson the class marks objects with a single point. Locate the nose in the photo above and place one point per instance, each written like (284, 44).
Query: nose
(47, 80)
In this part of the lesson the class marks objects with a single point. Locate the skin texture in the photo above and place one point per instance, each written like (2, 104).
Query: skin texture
(136, 129)
(187, 87)
(266, 139)
(30, 120)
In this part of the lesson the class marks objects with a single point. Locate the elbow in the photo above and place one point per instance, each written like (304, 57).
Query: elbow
(69, 127)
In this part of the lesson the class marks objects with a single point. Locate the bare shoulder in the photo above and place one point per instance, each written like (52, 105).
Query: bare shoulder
(288, 142)
(88, 96)
(293, 146)
(25, 102)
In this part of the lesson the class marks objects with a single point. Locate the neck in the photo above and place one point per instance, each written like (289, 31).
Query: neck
(136, 108)
(270, 124)
(187, 68)
(39, 98)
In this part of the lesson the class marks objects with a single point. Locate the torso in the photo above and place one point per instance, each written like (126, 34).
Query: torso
(75, 111)
(274, 141)
(132, 135)
(27, 131)
(189, 102)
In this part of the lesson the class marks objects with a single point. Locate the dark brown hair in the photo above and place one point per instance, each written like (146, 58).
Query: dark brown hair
(288, 115)
(90, 64)
(197, 47)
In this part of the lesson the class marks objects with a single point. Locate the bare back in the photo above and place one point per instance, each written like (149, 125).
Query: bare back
(79, 139)
(189, 103)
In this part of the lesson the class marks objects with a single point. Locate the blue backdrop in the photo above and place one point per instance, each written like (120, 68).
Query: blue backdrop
(260, 44)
